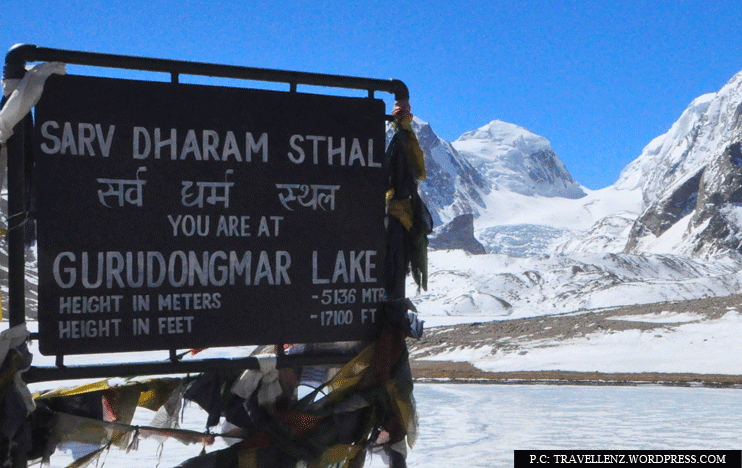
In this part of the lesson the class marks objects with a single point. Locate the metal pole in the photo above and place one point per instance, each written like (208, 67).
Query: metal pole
(41, 374)
(16, 209)
(16, 220)
(23, 53)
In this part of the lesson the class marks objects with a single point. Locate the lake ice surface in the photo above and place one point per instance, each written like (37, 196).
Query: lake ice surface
(480, 425)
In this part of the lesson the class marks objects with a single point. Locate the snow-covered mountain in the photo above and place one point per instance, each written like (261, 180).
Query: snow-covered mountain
(516, 160)
(523, 199)
(669, 228)
(691, 181)
(498, 173)
(680, 196)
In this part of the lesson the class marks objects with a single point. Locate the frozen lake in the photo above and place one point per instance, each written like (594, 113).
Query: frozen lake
(479, 425)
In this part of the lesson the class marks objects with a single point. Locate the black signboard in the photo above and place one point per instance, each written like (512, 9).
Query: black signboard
(174, 216)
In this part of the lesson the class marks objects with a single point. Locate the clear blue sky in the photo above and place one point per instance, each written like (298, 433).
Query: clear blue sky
(598, 79)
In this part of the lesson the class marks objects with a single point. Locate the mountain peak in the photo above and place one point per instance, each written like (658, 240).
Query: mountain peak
(518, 160)
(690, 180)
(504, 134)
(706, 127)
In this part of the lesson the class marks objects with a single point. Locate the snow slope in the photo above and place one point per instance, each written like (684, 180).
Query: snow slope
(467, 287)
(687, 344)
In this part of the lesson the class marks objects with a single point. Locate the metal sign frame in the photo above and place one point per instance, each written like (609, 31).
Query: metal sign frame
(15, 62)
